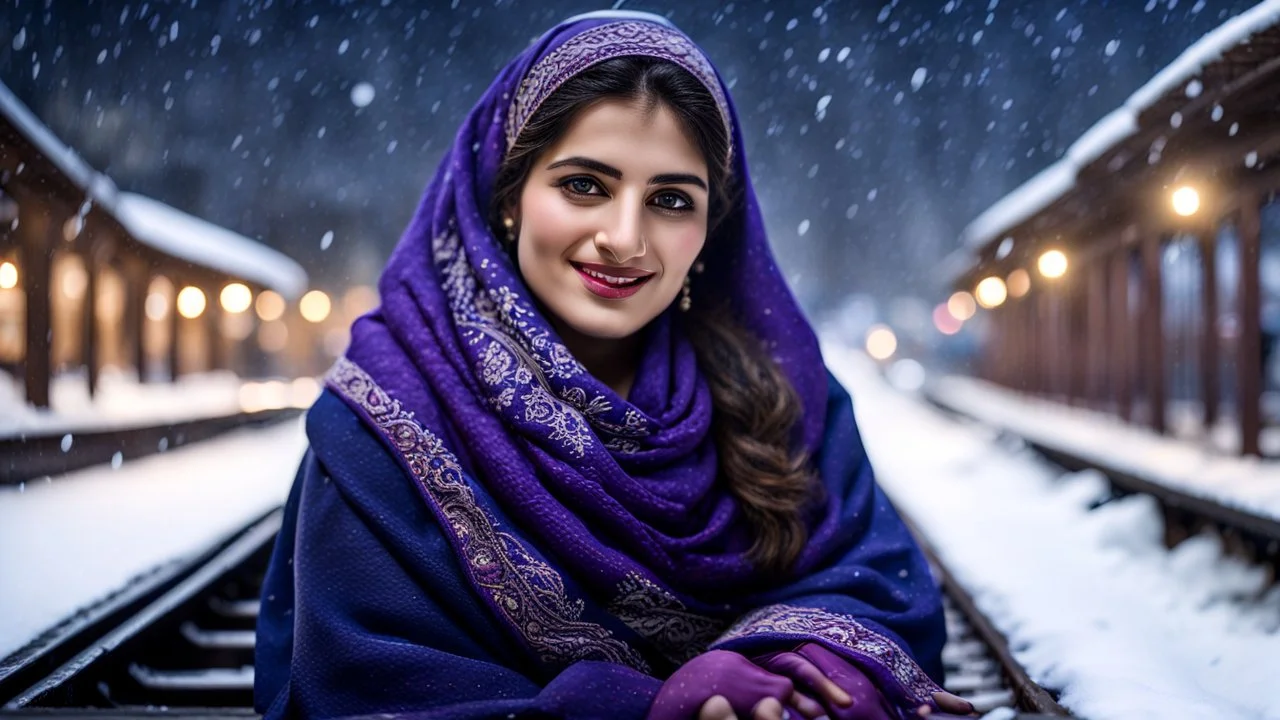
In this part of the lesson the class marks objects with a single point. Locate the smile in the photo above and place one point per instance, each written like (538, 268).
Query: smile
(608, 285)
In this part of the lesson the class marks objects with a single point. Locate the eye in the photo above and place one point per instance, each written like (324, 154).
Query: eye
(673, 201)
(581, 185)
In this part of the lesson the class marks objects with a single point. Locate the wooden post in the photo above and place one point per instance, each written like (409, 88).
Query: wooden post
(1249, 344)
(213, 328)
(1209, 327)
(138, 280)
(40, 235)
(1076, 339)
(175, 327)
(1122, 346)
(1096, 337)
(89, 320)
(1152, 323)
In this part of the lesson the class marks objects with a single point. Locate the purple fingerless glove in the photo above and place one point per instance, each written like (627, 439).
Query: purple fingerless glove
(798, 664)
(718, 672)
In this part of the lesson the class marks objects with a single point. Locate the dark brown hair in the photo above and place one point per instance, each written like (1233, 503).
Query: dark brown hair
(756, 409)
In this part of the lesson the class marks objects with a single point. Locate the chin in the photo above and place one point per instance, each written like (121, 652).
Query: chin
(606, 325)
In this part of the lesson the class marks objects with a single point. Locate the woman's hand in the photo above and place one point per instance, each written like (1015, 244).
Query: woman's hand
(845, 691)
(725, 685)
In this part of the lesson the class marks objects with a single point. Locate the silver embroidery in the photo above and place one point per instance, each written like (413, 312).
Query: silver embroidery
(658, 616)
(528, 593)
(842, 630)
(605, 42)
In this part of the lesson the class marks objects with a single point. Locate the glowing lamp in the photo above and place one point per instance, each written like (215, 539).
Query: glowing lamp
(191, 302)
(270, 306)
(1018, 283)
(314, 306)
(236, 298)
(991, 292)
(1186, 201)
(1052, 264)
(881, 342)
(961, 305)
(8, 276)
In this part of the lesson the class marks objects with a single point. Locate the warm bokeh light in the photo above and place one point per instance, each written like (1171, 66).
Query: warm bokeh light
(1052, 264)
(303, 392)
(74, 278)
(8, 276)
(259, 396)
(270, 305)
(273, 336)
(1018, 283)
(881, 342)
(1186, 201)
(946, 323)
(157, 305)
(961, 305)
(991, 292)
(314, 306)
(358, 301)
(191, 302)
(236, 297)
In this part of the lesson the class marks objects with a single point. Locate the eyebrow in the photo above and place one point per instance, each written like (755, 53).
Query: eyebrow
(616, 174)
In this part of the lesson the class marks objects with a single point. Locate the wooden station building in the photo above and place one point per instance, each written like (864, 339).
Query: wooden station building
(90, 275)
(1140, 275)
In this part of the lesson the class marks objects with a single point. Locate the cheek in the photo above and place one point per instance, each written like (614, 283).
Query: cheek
(548, 225)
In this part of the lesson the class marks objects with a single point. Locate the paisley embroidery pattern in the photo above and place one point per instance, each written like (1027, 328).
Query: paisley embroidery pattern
(518, 364)
(619, 39)
(842, 630)
(528, 594)
(659, 617)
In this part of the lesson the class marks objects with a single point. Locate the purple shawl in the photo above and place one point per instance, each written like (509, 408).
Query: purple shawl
(553, 490)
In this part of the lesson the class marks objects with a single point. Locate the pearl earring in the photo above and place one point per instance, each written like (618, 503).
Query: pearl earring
(686, 298)
(510, 225)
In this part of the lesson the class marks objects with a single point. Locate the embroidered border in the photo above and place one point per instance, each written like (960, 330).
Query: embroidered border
(516, 362)
(658, 616)
(527, 593)
(605, 42)
(842, 630)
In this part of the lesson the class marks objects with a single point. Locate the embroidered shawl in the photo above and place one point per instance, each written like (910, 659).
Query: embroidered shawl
(476, 504)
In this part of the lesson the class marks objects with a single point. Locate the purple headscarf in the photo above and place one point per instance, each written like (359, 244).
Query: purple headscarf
(561, 500)
(623, 485)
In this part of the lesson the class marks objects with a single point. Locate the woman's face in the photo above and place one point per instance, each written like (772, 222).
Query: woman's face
(612, 217)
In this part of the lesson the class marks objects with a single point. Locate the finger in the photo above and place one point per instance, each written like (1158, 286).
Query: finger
(716, 707)
(806, 706)
(801, 668)
(767, 709)
(953, 704)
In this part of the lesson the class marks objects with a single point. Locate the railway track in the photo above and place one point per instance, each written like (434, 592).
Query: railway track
(179, 643)
(1249, 536)
(28, 456)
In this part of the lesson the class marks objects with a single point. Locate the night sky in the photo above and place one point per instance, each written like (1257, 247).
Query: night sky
(875, 131)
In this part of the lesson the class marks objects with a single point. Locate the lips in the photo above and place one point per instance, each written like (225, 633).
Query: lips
(613, 283)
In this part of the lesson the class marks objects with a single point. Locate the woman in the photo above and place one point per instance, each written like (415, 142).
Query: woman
(585, 460)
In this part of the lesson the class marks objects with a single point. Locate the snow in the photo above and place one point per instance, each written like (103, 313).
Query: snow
(97, 186)
(1056, 180)
(1090, 599)
(122, 402)
(184, 236)
(158, 225)
(1244, 483)
(68, 543)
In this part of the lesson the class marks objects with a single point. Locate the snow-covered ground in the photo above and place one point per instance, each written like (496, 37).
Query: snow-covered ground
(67, 543)
(1090, 599)
(1246, 483)
(122, 401)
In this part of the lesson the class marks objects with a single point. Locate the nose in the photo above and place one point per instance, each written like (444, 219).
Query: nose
(624, 241)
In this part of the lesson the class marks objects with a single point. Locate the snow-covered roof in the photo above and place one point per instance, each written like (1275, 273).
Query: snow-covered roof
(96, 185)
(188, 237)
(1056, 180)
